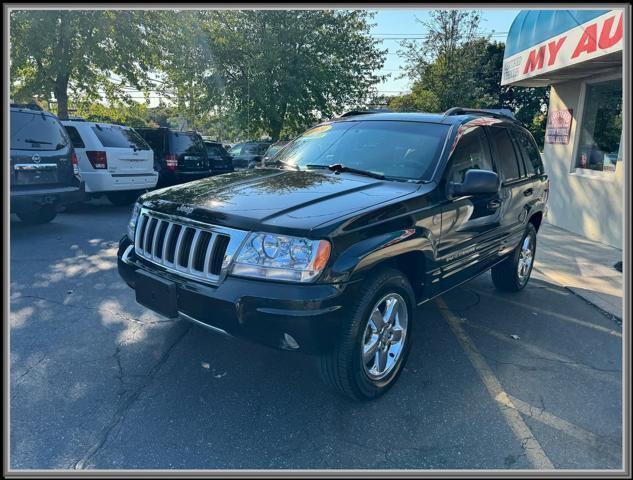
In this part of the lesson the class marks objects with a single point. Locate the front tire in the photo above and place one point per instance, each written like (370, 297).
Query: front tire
(513, 273)
(375, 339)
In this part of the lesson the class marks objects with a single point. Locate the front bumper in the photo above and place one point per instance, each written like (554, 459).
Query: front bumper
(261, 311)
(36, 197)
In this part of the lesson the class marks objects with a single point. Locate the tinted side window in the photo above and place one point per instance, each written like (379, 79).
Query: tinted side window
(75, 138)
(505, 154)
(531, 155)
(472, 152)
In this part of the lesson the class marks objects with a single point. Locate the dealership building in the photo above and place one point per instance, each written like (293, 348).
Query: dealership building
(577, 54)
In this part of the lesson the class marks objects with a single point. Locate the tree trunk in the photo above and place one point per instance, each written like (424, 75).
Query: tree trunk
(278, 123)
(61, 94)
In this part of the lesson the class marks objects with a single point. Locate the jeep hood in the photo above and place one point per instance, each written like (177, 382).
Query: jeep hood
(277, 200)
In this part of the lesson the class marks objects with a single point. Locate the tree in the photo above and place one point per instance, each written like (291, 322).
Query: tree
(456, 66)
(529, 104)
(284, 69)
(80, 52)
(187, 67)
(132, 114)
(420, 100)
(443, 62)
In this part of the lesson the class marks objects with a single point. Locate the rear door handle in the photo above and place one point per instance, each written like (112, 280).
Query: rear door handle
(528, 192)
(494, 204)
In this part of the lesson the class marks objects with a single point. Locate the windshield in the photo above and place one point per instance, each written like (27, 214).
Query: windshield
(115, 136)
(35, 131)
(398, 150)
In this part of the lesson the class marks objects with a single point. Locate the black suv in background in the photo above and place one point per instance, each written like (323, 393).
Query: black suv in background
(178, 156)
(248, 155)
(43, 166)
(367, 217)
(219, 159)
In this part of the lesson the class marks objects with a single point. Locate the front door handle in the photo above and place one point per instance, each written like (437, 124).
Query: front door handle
(494, 204)
(528, 192)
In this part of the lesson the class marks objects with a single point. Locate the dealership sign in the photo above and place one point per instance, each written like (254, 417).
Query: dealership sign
(590, 40)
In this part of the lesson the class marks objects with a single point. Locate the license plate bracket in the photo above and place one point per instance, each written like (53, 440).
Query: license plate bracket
(156, 294)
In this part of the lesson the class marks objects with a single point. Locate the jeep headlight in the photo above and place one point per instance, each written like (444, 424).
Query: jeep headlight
(131, 225)
(281, 257)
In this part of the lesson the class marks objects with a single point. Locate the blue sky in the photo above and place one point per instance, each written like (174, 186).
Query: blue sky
(402, 22)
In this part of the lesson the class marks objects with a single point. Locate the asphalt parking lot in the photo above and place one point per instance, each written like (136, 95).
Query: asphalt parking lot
(495, 381)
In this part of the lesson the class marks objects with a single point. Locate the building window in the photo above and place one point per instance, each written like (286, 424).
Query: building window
(601, 127)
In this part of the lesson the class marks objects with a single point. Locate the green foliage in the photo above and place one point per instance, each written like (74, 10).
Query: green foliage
(57, 52)
(131, 115)
(456, 66)
(282, 69)
(419, 100)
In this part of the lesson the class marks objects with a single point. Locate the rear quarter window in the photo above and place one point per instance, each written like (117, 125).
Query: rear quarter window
(531, 155)
(114, 136)
(75, 138)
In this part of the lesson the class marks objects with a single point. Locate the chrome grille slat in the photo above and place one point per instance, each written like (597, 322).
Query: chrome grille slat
(207, 257)
(192, 250)
(159, 223)
(166, 243)
(179, 248)
(189, 238)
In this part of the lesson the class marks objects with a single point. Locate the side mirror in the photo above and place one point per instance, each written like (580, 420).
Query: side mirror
(477, 182)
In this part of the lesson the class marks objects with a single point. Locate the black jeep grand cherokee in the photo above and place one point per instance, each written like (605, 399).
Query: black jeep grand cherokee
(367, 217)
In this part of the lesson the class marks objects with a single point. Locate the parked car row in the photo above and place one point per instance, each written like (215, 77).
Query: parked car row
(55, 163)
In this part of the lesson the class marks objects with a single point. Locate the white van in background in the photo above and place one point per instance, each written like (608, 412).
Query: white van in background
(113, 160)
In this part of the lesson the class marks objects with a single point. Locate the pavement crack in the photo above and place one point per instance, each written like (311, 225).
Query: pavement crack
(28, 370)
(127, 402)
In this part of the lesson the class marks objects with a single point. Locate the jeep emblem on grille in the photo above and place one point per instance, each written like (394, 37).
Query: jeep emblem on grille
(185, 209)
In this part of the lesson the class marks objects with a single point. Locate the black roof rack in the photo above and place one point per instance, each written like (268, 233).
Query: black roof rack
(30, 106)
(503, 113)
(353, 113)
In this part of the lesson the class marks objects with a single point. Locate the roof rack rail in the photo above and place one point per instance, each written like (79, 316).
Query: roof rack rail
(30, 106)
(353, 113)
(503, 113)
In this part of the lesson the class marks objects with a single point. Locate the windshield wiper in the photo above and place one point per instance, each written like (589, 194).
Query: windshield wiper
(338, 168)
(30, 140)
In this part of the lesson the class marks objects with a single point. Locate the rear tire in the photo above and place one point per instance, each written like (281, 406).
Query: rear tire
(367, 343)
(513, 274)
(123, 198)
(43, 214)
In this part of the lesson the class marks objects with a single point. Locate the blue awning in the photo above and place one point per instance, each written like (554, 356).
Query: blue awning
(532, 27)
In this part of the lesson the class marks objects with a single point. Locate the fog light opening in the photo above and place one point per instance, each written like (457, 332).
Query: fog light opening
(290, 341)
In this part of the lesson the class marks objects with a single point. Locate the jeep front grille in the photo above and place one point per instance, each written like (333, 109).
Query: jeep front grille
(189, 248)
